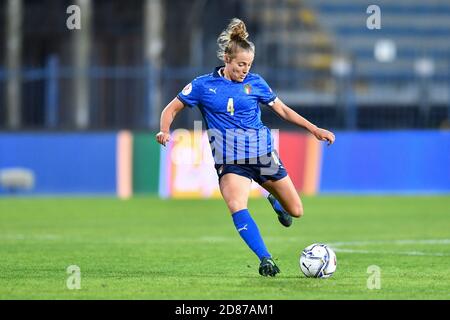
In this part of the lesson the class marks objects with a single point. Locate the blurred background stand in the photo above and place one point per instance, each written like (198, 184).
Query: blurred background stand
(129, 59)
(81, 61)
(14, 37)
(67, 94)
(341, 69)
(424, 68)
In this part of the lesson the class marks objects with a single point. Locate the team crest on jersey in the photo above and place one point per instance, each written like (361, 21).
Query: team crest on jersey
(187, 89)
(247, 89)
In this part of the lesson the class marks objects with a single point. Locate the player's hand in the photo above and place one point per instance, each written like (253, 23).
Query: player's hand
(324, 135)
(163, 137)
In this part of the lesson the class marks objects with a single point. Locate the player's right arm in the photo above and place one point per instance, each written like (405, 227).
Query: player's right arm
(167, 117)
(293, 117)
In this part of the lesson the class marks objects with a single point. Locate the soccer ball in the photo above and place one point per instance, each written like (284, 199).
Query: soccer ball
(318, 261)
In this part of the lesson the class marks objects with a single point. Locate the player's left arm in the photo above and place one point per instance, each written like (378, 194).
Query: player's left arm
(291, 116)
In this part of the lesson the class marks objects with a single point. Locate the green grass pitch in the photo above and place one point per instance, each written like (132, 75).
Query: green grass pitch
(147, 248)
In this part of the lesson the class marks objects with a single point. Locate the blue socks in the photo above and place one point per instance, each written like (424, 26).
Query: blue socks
(249, 231)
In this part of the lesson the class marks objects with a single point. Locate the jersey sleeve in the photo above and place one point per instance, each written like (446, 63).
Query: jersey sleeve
(266, 95)
(191, 94)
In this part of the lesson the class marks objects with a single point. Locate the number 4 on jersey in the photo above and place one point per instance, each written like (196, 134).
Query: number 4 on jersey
(230, 106)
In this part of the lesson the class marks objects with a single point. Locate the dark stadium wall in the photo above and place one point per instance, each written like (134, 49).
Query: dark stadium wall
(87, 163)
(123, 163)
(145, 163)
(71, 163)
(387, 162)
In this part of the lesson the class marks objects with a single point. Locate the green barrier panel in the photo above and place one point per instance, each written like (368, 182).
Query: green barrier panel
(145, 163)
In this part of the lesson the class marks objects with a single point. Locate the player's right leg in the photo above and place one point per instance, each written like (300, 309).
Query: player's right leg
(282, 193)
(235, 190)
(283, 216)
(286, 194)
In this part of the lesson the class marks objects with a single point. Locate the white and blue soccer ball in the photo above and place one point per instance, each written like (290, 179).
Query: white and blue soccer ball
(318, 261)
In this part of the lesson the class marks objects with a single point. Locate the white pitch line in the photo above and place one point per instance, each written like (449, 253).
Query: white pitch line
(30, 237)
(337, 246)
(395, 242)
(407, 253)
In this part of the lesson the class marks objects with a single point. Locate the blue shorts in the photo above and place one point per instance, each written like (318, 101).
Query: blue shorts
(261, 169)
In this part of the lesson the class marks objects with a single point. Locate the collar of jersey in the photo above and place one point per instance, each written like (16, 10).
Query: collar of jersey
(216, 74)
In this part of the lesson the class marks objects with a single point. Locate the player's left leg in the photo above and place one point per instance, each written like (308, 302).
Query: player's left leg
(284, 191)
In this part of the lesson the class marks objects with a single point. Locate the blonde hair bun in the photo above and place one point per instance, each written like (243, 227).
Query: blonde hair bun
(234, 37)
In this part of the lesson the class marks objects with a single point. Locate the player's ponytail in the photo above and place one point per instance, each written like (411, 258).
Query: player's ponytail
(233, 38)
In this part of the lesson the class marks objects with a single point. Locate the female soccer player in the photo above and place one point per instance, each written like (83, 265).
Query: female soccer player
(242, 146)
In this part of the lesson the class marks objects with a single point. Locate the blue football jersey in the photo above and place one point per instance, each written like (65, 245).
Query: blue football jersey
(232, 114)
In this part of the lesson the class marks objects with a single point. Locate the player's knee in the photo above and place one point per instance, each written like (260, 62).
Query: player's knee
(297, 211)
(235, 206)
